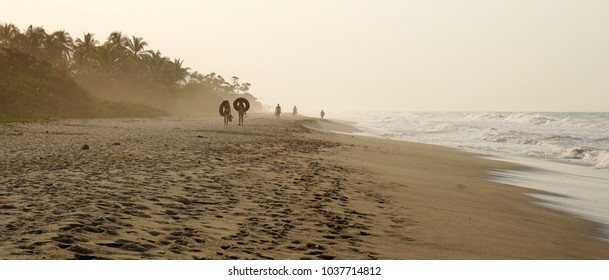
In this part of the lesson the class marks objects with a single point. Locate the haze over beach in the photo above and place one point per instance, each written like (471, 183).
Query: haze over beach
(368, 55)
(453, 130)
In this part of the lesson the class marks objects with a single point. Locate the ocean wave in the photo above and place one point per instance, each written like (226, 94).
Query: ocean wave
(511, 136)
(576, 153)
(445, 128)
(526, 138)
(497, 136)
(578, 138)
(559, 139)
(568, 121)
(601, 139)
(572, 122)
(584, 121)
(484, 116)
(602, 160)
(529, 118)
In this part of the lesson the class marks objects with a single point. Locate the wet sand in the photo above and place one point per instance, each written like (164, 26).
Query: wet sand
(190, 188)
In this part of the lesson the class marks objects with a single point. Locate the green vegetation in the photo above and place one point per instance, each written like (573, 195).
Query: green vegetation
(53, 75)
(32, 88)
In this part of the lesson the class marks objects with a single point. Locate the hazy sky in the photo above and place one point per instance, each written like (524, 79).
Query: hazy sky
(485, 55)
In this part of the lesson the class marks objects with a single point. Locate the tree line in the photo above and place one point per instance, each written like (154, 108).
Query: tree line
(123, 68)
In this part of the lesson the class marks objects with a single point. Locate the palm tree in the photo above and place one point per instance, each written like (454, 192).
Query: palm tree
(33, 41)
(63, 41)
(156, 65)
(121, 64)
(178, 74)
(86, 45)
(59, 46)
(116, 51)
(84, 53)
(110, 62)
(117, 41)
(135, 50)
(136, 46)
(196, 78)
(9, 35)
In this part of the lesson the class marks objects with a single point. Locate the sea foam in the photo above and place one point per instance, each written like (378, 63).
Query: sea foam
(575, 138)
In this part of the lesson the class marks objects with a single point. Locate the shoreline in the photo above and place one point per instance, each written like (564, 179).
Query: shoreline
(559, 182)
(533, 196)
(563, 183)
(189, 188)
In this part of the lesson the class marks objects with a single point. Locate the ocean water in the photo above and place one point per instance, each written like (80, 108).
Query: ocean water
(574, 138)
(569, 152)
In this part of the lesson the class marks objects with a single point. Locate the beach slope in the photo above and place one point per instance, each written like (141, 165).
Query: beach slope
(190, 188)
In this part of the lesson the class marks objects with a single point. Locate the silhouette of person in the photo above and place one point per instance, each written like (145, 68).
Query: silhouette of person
(241, 105)
(277, 111)
(225, 112)
(241, 110)
(322, 113)
(295, 111)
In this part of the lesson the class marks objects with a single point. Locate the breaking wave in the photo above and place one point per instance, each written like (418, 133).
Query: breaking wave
(578, 138)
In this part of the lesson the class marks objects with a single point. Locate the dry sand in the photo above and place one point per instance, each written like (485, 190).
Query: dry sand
(190, 188)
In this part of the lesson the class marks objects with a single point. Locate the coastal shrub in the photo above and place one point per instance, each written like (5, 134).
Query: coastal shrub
(33, 88)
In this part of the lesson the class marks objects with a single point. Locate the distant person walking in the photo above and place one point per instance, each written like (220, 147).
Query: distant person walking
(277, 111)
(294, 111)
(322, 113)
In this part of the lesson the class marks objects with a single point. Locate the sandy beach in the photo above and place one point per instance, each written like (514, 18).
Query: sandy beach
(190, 188)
